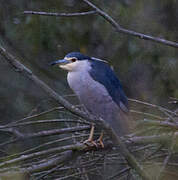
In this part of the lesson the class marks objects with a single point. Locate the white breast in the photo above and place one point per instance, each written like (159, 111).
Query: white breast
(91, 93)
(77, 79)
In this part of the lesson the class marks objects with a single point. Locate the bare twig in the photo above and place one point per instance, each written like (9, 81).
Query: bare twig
(57, 167)
(57, 131)
(79, 147)
(166, 124)
(148, 114)
(42, 122)
(166, 160)
(126, 31)
(51, 143)
(14, 132)
(173, 100)
(152, 105)
(36, 115)
(76, 174)
(118, 174)
(60, 14)
(21, 137)
(52, 132)
(161, 139)
(66, 156)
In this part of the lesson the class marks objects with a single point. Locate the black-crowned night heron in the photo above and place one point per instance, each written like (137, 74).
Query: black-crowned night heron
(97, 88)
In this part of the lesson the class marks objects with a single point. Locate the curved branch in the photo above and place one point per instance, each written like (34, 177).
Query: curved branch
(130, 32)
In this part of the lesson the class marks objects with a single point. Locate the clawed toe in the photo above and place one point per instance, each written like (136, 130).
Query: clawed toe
(90, 143)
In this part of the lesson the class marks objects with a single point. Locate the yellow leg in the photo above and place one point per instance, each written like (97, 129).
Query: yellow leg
(90, 139)
(91, 133)
(100, 140)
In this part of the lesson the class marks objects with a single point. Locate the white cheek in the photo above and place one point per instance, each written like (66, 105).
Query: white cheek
(68, 67)
(76, 66)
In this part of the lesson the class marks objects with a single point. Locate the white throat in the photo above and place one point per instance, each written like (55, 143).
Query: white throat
(76, 66)
(78, 75)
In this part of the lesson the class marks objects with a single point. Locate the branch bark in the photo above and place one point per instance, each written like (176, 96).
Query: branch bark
(60, 14)
(130, 32)
(69, 152)
(161, 139)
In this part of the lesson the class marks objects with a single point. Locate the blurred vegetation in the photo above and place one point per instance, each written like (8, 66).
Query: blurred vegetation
(148, 70)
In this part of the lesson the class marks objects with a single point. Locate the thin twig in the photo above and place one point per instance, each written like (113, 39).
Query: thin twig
(39, 147)
(49, 172)
(166, 124)
(53, 132)
(148, 114)
(76, 174)
(56, 132)
(152, 105)
(79, 147)
(37, 115)
(166, 160)
(130, 32)
(42, 122)
(161, 139)
(118, 174)
(60, 14)
(44, 152)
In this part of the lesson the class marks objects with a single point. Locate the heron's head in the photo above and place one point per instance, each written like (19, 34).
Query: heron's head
(72, 61)
(75, 61)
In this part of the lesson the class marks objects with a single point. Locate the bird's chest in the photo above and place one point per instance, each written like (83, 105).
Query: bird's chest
(81, 83)
(91, 93)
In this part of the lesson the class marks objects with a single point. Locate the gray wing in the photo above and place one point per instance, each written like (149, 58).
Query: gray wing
(102, 73)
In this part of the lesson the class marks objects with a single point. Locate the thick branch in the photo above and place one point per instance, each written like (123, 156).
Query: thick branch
(126, 31)
(71, 153)
(79, 147)
(57, 131)
(161, 139)
(60, 14)
(21, 137)
(116, 140)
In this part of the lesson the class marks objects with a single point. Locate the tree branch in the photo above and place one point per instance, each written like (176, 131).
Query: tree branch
(60, 14)
(21, 137)
(166, 124)
(68, 153)
(130, 32)
(57, 131)
(161, 139)
(75, 147)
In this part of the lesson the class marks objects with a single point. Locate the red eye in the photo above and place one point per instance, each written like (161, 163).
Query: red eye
(73, 59)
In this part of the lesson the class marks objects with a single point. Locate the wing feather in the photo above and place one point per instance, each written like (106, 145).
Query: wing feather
(102, 73)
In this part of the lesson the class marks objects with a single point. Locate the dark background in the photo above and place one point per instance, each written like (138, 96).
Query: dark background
(148, 71)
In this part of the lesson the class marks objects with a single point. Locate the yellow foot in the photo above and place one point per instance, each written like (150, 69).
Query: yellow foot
(100, 140)
(89, 141)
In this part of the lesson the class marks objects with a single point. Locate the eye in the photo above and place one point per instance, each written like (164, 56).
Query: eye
(73, 59)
